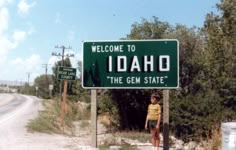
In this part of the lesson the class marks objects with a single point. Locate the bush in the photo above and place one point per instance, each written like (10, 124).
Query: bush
(48, 121)
(193, 117)
(107, 106)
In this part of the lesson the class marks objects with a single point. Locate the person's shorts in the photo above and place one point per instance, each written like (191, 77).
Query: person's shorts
(152, 124)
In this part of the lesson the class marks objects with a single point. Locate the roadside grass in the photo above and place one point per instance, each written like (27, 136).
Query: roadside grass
(48, 120)
(216, 140)
(134, 135)
(84, 124)
(124, 146)
(106, 144)
(128, 147)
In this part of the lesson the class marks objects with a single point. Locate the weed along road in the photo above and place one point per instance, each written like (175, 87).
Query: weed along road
(15, 111)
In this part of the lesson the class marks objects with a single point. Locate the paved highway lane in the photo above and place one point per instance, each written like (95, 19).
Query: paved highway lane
(10, 104)
(15, 111)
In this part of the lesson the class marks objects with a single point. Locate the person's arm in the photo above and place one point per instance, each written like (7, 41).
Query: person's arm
(158, 118)
(158, 121)
(146, 122)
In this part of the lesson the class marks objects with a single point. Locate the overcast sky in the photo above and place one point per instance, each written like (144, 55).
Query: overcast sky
(30, 29)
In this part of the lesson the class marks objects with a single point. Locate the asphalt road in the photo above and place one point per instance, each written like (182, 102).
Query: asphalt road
(15, 111)
(9, 104)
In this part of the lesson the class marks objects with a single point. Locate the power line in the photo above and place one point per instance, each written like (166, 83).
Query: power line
(46, 71)
(46, 67)
(62, 55)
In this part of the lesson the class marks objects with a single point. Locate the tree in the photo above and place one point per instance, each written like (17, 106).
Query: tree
(56, 82)
(74, 91)
(154, 29)
(26, 89)
(191, 51)
(42, 82)
(221, 44)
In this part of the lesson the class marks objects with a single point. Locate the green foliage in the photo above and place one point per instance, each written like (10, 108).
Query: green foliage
(132, 107)
(107, 105)
(45, 123)
(27, 89)
(56, 82)
(221, 44)
(194, 116)
(74, 90)
(43, 82)
(48, 120)
(190, 51)
(153, 29)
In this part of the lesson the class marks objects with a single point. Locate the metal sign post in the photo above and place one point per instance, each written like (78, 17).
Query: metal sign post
(94, 117)
(166, 119)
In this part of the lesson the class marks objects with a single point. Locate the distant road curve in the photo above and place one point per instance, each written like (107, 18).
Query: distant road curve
(12, 105)
(15, 111)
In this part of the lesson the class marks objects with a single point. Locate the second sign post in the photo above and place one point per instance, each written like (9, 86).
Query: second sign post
(65, 73)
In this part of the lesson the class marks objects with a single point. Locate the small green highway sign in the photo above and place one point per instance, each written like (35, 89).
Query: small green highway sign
(66, 73)
(131, 64)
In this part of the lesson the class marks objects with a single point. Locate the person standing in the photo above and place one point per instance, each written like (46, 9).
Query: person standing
(153, 120)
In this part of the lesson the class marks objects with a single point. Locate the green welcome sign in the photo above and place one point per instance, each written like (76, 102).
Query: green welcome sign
(131, 64)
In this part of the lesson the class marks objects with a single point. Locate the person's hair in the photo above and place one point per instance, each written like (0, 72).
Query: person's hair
(157, 96)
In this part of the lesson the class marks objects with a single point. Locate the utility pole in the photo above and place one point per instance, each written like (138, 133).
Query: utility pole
(28, 73)
(62, 55)
(46, 73)
(63, 99)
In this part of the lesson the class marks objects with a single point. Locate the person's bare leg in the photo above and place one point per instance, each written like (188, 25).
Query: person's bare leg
(153, 133)
(157, 137)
